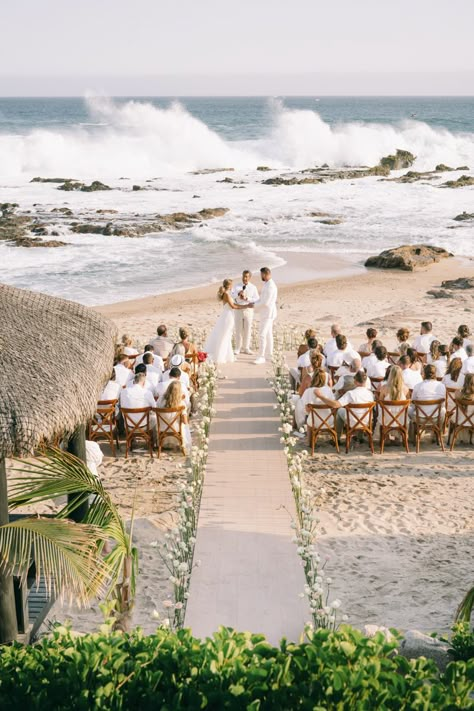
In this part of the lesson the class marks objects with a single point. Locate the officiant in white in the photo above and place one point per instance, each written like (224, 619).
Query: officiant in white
(267, 310)
(244, 292)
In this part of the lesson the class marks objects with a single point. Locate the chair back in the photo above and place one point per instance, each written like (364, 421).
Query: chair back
(375, 382)
(451, 402)
(332, 370)
(169, 420)
(428, 412)
(136, 420)
(464, 414)
(393, 357)
(393, 413)
(103, 422)
(359, 416)
(322, 417)
(362, 354)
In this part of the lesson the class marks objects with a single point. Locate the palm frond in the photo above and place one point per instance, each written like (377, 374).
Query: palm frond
(464, 611)
(65, 553)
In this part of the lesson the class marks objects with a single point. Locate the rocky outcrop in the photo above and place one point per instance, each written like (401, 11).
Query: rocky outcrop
(416, 644)
(462, 182)
(70, 185)
(442, 168)
(263, 167)
(22, 230)
(52, 180)
(408, 257)
(464, 217)
(209, 171)
(63, 210)
(324, 175)
(461, 283)
(399, 161)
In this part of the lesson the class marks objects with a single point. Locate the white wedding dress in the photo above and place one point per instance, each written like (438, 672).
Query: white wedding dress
(218, 345)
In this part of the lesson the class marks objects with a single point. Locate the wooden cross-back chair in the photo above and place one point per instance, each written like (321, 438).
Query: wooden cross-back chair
(137, 423)
(169, 421)
(393, 421)
(375, 382)
(193, 359)
(426, 421)
(422, 356)
(321, 420)
(463, 421)
(450, 405)
(333, 370)
(103, 425)
(393, 357)
(359, 418)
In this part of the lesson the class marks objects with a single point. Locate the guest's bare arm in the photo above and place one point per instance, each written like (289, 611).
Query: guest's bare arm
(326, 400)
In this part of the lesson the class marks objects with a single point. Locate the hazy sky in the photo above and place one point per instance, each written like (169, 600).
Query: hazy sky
(246, 46)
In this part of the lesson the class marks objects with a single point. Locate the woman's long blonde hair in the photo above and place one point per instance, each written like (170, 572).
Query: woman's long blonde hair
(174, 395)
(467, 390)
(226, 284)
(126, 340)
(396, 389)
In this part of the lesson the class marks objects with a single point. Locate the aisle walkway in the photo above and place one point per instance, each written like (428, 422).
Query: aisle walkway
(250, 576)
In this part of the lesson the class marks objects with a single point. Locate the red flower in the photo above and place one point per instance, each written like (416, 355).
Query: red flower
(202, 356)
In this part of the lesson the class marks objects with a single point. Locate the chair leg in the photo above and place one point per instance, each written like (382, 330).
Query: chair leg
(348, 440)
(440, 438)
(371, 441)
(382, 440)
(336, 442)
(405, 440)
(455, 433)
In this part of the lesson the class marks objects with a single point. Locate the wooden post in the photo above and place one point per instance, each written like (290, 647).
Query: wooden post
(8, 621)
(77, 445)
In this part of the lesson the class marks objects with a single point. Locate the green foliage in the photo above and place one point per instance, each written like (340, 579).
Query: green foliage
(462, 642)
(329, 670)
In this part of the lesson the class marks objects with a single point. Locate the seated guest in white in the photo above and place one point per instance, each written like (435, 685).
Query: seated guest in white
(465, 334)
(94, 457)
(303, 347)
(366, 347)
(162, 345)
(344, 353)
(433, 352)
(177, 361)
(162, 388)
(138, 396)
(153, 374)
(331, 344)
(149, 381)
(318, 380)
(358, 396)
(415, 361)
(316, 363)
(157, 360)
(440, 359)
(303, 363)
(112, 389)
(122, 370)
(378, 367)
(428, 389)
(372, 358)
(423, 341)
(463, 414)
(173, 399)
(403, 335)
(127, 346)
(468, 365)
(345, 377)
(457, 348)
(410, 377)
(454, 377)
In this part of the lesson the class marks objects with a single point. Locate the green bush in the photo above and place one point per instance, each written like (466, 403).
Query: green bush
(462, 642)
(329, 670)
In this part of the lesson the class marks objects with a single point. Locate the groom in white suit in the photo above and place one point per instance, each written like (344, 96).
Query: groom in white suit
(267, 310)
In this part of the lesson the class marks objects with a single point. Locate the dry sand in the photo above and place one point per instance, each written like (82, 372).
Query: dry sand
(398, 528)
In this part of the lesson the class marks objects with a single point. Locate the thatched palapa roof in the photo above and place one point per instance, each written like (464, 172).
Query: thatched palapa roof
(55, 357)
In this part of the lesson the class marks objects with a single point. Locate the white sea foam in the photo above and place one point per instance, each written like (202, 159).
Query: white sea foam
(140, 140)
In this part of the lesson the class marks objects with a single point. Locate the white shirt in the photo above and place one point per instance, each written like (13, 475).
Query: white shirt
(411, 378)
(368, 360)
(266, 304)
(162, 346)
(161, 391)
(331, 346)
(429, 390)
(304, 361)
(251, 293)
(337, 357)
(122, 374)
(468, 365)
(460, 353)
(449, 383)
(128, 350)
(136, 396)
(157, 361)
(423, 342)
(184, 379)
(111, 391)
(441, 365)
(358, 396)
(153, 376)
(377, 368)
(94, 456)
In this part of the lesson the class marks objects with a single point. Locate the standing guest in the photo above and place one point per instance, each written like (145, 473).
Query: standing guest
(127, 346)
(465, 333)
(162, 345)
(410, 377)
(442, 361)
(454, 377)
(303, 347)
(468, 365)
(366, 347)
(360, 395)
(244, 292)
(428, 389)
(122, 370)
(457, 348)
(267, 310)
(378, 367)
(94, 457)
(112, 389)
(138, 396)
(423, 341)
(157, 360)
(403, 334)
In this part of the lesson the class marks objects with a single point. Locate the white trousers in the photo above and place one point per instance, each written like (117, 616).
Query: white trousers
(243, 329)
(266, 338)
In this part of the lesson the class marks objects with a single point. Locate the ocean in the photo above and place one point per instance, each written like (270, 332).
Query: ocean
(171, 146)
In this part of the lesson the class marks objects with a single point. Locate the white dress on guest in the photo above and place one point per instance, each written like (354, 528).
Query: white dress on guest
(219, 342)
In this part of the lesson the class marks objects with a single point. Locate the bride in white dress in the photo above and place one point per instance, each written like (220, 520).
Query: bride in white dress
(219, 342)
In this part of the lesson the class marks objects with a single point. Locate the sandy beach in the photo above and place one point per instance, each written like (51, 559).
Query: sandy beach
(398, 530)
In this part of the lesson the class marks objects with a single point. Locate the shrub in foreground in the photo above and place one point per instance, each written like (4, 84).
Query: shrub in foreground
(329, 670)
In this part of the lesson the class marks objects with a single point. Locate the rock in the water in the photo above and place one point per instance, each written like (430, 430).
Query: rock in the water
(71, 185)
(324, 175)
(331, 221)
(440, 294)
(52, 180)
(208, 171)
(442, 168)
(461, 283)
(18, 228)
(416, 644)
(408, 257)
(136, 187)
(413, 176)
(463, 167)
(399, 161)
(464, 216)
(63, 210)
(462, 182)
(263, 167)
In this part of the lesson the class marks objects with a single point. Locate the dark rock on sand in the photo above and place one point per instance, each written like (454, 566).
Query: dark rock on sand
(317, 213)
(399, 161)
(461, 283)
(36, 242)
(464, 217)
(440, 294)
(408, 257)
(462, 182)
